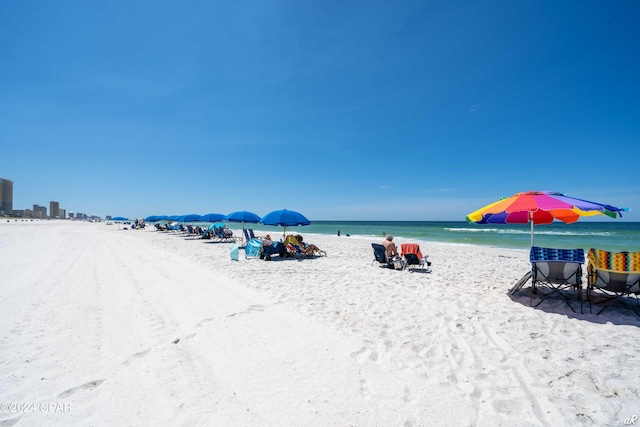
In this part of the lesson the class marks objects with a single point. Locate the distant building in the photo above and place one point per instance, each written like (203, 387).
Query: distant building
(39, 211)
(6, 196)
(62, 213)
(54, 209)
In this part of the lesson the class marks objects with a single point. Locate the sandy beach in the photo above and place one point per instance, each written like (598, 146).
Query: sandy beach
(104, 326)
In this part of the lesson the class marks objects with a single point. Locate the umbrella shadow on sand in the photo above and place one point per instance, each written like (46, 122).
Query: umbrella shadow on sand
(618, 315)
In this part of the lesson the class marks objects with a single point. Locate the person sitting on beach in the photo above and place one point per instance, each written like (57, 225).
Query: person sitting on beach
(227, 232)
(267, 248)
(309, 248)
(390, 247)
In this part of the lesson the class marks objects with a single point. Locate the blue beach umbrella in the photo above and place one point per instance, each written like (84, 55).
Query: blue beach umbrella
(285, 218)
(156, 218)
(211, 217)
(189, 218)
(213, 227)
(243, 216)
(119, 218)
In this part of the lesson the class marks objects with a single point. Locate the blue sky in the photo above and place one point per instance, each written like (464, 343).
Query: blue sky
(364, 110)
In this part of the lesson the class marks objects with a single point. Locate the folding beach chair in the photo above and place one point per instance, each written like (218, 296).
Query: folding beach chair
(414, 258)
(557, 270)
(380, 255)
(616, 275)
(253, 248)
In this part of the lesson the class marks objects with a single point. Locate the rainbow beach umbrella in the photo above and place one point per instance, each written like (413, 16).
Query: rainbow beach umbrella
(540, 207)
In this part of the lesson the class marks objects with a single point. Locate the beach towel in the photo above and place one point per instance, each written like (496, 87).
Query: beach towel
(410, 248)
(614, 261)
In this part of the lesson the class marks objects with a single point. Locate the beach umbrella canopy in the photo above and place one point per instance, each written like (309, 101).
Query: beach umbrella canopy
(242, 216)
(540, 207)
(284, 218)
(154, 218)
(212, 227)
(119, 218)
(189, 218)
(211, 217)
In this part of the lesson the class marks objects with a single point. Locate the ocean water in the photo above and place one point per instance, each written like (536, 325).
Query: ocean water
(611, 236)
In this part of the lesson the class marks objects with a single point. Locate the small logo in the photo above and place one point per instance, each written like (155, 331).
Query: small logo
(630, 420)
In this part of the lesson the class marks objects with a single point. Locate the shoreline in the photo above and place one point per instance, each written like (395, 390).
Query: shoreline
(615, 236)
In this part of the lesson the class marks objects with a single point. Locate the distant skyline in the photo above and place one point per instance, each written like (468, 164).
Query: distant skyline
(408, 110)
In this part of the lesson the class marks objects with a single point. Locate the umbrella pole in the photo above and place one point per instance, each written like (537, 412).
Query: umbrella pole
(531, 233)
(531, 219)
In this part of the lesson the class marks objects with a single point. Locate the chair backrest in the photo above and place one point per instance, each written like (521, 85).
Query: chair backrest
(379, 252)
(412, 259)
(557, 265)
(291, 240)
(252, 248)
(614, 261)
(253, 236)
(246, 235)
(538, 254)
(410, 248)
(616, 271)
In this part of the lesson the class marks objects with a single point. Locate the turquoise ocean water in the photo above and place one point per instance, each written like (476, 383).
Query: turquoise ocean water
(611, 236)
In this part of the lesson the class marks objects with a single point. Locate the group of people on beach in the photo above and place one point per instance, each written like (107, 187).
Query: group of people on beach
(291, 246)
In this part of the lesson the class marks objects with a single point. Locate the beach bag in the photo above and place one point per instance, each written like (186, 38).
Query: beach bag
(398, 263)
(234, 252)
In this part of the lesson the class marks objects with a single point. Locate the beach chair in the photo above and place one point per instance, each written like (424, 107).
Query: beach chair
(277, 248)
(380, 256)
(294, 247)
(413, 257)
(616, 276)
(172, 227)
(253, 248)
(558, 270)
(218, 233)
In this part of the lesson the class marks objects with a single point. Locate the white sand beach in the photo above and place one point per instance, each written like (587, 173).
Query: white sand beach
(103, 326)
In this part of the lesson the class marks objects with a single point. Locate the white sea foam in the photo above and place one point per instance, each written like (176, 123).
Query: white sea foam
(536, 231)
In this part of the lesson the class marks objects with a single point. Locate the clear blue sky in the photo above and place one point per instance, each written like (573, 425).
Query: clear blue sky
(370, 110)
